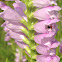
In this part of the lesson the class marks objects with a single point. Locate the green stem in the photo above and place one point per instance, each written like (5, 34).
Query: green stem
(31, 52)
(30, 43)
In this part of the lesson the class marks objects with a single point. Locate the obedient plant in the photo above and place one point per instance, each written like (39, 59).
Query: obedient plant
(32, 24)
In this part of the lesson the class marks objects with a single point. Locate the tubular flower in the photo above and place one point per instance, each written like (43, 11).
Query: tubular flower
(47, 13)
(46, 50)
(12, 15)
(46, 29)
(43, 3)
(46, 26)
(14, 26)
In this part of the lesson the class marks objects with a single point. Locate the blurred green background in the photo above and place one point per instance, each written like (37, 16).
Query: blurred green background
(7, 52)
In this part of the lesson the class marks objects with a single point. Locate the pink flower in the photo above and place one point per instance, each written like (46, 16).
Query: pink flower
(12, 15)
(43, 3)
(14, 26)
(45, 50)
(19, 5)
(16, 35)
(46, 26)
(44, 37)
(47, 13)
(47, 58)
(48, 41)
(48, 48)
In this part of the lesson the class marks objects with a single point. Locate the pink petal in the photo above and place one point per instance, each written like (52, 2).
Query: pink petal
(2, 4)
(42, 49)
(40, 37)
(56, 58)
(20, 5)
(55, 44)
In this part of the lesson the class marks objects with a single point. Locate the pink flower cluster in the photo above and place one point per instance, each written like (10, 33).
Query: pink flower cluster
(12, 25)
(46, 28)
